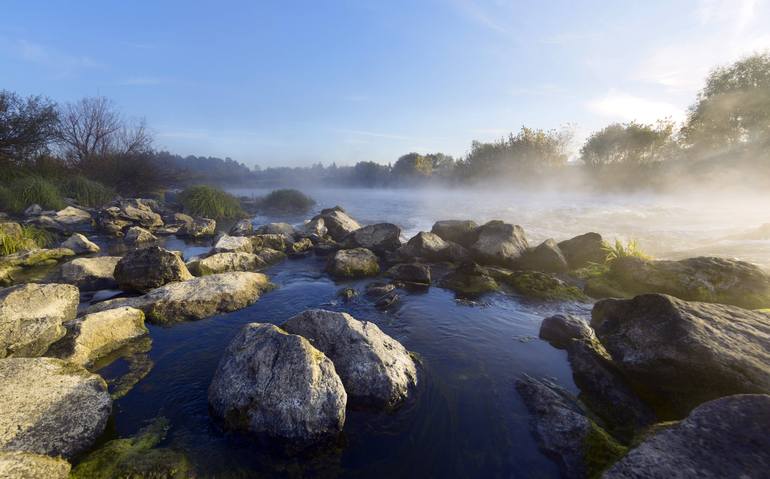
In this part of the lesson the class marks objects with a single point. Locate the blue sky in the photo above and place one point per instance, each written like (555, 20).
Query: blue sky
(297, 82)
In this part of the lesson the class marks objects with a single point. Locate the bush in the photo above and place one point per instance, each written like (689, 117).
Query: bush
(210, 202)
(22, 193)
(86, 192)
(619, 250)
(287, 201)
(29, 238)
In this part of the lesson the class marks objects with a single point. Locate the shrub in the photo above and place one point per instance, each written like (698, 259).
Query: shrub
(86, 192)
(28, 238)
(30, 190)
(619, 250)
(210, 202)
(286, 201)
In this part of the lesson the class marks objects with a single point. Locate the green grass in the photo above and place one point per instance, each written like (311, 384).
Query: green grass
(619, 250)
(210, 202)
(29, 238)
(286, 201)
(20, 193)
(85, 191)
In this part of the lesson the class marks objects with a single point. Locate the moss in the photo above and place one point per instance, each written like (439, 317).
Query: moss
(604, 287)
(135, 458)
(543, 286)
(469, 284)
(600, 450)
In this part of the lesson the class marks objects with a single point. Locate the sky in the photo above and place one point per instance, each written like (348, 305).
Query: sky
(274, 83)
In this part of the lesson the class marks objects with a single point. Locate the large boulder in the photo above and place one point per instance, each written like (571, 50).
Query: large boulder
(149, 268)
(27, 465)
(684, 353)
(195, 299)
(31, 317)
(430, 247)
(499, 244)
(375, 368)
(583, 250)
(336, 221)
(380, 238)
(225, 263)
(726, 437)
(546, 257)
(272, 383)
(462, 232)
(138, 236)
(95, 335)
(561, 329)
(50, 406)
(353, 263)
(91, 274)
(80, 244)
(233, 244)
(714, 280)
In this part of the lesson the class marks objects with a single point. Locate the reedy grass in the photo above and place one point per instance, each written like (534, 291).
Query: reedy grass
(210, 202)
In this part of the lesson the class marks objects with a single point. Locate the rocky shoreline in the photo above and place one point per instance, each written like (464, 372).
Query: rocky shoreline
(680, 347)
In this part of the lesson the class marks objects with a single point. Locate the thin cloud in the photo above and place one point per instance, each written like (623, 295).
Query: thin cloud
(622, 106)
(373, 134)
(472, 10)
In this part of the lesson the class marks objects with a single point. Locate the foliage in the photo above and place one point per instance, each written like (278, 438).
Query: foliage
(27, 126)
(25, 191)
(86, 192)
(619, 250)
(629, 144)
(286, 201)
(210, 202)
(28, 237)
(130, 174)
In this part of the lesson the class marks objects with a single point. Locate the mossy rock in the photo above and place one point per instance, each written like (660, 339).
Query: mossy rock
(537, 285)
(135, 457)
(600, 450)
(469, 284)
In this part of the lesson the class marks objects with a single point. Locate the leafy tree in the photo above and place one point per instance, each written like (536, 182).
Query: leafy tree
(628, 144)
(27, 126)
(413, 166)
(370, 174)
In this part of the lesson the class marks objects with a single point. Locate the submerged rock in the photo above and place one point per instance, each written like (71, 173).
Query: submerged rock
(684, 353)
(353, 263)
(270, 256)
(79, 244)
(272, 383)
(91, 274)
(137, 236)
(336, 221)
(462, 232)
(31, 317)
(380, 238)
(546, 257)
(726, 437)
(583, 250)
(195, 299)
(50, 406)
(225, 263)
(27, 465)
(378, 289)
(374, 368)
(499, 244)
(543, 286)
(148, 268)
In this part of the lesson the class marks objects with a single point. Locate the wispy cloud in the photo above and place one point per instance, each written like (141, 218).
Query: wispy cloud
(50, 57)
(478, 14)
(620, 106)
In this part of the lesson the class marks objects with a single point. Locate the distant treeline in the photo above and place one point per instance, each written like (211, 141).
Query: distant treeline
(725, 138)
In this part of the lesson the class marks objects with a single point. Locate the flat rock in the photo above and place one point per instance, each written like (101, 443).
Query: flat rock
(26, 465)
(380, 238)
(91, 274)
(233, 244)
(225, 263)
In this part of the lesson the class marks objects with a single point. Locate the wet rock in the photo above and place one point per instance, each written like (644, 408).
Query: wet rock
(90, 274)
(272, 383)
(233, 244)
(140, 212)
(462, 232)
(50, 406)
(726, 437)
(243, 227)
(95, 335)
(347, 294)
(387, 301)
(560, 330)
(471, 279)
(565, 432)
(543, 286)
(138, 236)
(284, 229)
(195, 299)
(138, 364)
(270, 256)
(546, 257)
(148, 268)
(428, 246)
(375, 368)
(34, 257)
(31, 317)
(225, 263)
(410, 273)
(198, 228)
(33, 210)
(378, 289)
(499, 244)
(300, 247)
(714, 280)
(326, 248)
(26, 465)
(380, 238)
(79, 244)
(583, 250)
(336, 221)
(353, 263)
(684, 353)
(272, 241)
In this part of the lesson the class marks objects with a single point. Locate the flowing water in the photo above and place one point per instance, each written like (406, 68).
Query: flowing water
(465, 419)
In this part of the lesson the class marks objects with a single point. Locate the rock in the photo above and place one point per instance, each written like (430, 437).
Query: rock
(33, 210)
(470, 279)
(140, 212)
(79, 244)
(378, 289)
(11, 228)
(499, 244)
(225, 263)
(543, 286)
(233, 244)
(277, 384)
(337, 223)
(428, 246)
(462, 232)
(137, 236)
(684, 353)
(31, 317)
(353, 263)
(95, 335)
(583, 250)
(284, 229)
(136, 457)
(243, 227)
(34, 257)
(300, 247)
(546, 257)
(90, 274)
(314, 228)
(272, 241)
(26, 465)
(380, 238)
(347, 294)
(50, 406)
(270, 256)
(148, 268)
(326, 248)
(374, 368)
(564, 431)
(195, 299)
(198, 228)
(388, 300)
(713, 280)
(410, 273)
(726, 437)
(560, 330)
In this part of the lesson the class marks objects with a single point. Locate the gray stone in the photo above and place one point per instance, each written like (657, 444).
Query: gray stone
(91, 274)
(380, 238)
(138, 236)
(273, 241)
(410, 273)
(80, 244)
(462, 232)
(583, 250)
(233, 244)
(560, 330)
(225, 263)
(198, 228)
(337, 222)
(243, 227)
(277, 229)
(149, 268)
(546, 257)
(499, 244)
(353, 263)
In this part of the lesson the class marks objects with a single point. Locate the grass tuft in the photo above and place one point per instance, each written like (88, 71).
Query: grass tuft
(86, 192)
(210, 202)
(25, 238)
(619, 250)
(286, 201)
(19, 194)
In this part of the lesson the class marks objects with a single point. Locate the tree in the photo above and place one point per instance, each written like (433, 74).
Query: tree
(628, 144)
(369, 173)
(27, 126)
(413, 166)
(733, 109)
